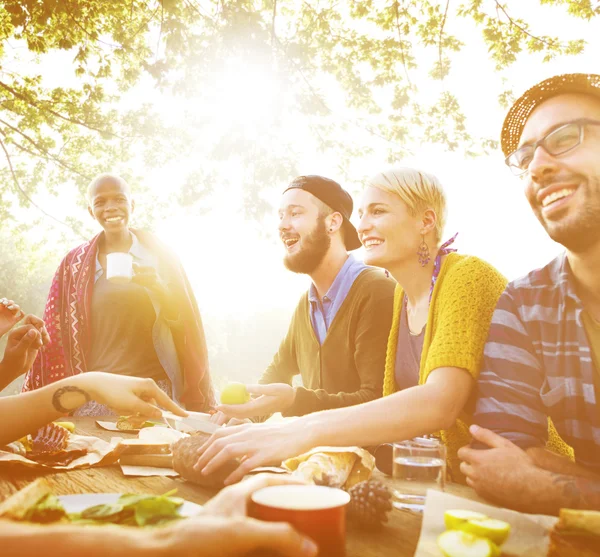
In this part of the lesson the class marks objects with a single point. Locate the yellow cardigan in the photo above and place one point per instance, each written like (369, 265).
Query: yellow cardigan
(464, 298)
(460, 313)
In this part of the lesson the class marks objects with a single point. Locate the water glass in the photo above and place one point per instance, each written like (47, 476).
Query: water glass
(419, 465)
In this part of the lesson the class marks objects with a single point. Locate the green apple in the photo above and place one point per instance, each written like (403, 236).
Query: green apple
(454, 518)
(490, 528)
(455, 543)
(234, 393)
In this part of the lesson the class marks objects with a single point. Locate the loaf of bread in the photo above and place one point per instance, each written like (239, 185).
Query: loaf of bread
(185, 456)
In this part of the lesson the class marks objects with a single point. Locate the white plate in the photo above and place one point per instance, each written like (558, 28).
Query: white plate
(78, 503)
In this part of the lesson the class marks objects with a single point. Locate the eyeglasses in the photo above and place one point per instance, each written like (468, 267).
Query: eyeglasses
(557, 142)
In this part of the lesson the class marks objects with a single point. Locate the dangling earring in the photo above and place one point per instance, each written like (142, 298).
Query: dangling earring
(423, 252)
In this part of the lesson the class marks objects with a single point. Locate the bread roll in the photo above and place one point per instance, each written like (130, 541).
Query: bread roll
(185, 456)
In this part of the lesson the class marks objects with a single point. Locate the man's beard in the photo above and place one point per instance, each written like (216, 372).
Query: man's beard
(314, 248)
(579, 232)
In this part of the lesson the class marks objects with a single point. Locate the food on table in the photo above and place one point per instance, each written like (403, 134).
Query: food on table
(477, 524)
(50, 438)
(48, 446)
(133, 423)
(456, 543)
(69, 426)
(494, 530)
(143, 447)
(185, 456)
(17, 506)
(370, 501)
(455, 517)
(153, 460)
(37, 503)
(576, 534)
(234, 393)
(161, 435)
(333, 466)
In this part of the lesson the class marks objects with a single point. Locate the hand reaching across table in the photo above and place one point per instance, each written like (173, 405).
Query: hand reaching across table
(256, 445)
(127, 395)
(267, 399)
(221, 529)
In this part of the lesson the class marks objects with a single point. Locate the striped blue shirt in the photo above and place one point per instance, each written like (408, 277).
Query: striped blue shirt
(538, 364)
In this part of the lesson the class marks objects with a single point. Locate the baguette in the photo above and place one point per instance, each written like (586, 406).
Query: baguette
(576, 534)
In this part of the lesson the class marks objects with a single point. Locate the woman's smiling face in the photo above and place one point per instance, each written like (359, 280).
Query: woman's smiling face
(387, 230)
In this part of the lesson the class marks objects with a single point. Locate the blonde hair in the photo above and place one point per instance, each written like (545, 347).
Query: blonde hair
(417, 189)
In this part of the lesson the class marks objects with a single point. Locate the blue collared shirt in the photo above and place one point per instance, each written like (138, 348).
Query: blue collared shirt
(322, 312)
(162, 336)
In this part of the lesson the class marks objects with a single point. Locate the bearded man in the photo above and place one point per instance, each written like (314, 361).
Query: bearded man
(338, 334)
(542, 357)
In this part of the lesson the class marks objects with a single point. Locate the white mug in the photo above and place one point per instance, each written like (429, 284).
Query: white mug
(119, 267)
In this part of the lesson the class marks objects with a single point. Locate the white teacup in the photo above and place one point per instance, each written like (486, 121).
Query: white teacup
(119, 267)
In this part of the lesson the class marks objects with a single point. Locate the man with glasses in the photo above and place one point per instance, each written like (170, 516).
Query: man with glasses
(542, 358)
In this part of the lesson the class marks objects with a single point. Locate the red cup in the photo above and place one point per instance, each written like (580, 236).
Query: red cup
(316, 511)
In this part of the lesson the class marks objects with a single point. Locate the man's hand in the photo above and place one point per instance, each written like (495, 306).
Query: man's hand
(10, 315)
(21, 349)
(233, 500)
(276, 397)
(504, 474)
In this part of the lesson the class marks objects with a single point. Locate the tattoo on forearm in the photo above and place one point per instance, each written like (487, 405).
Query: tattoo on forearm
(65, 391)
(577, 492)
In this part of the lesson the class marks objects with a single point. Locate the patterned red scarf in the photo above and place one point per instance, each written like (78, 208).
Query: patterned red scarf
(67, 318)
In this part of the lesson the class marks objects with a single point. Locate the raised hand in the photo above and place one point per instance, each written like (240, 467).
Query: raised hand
(21, 349)
(10, 315)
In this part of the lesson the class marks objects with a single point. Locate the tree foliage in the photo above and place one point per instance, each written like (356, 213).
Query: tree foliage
(343, 69)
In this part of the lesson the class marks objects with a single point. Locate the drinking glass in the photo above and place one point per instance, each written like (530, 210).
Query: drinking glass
(419, 465)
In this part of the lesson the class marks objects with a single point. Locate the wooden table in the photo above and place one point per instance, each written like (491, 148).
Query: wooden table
(398, 538)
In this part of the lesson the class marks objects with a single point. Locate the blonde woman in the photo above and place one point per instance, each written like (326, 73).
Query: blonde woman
(443, 306)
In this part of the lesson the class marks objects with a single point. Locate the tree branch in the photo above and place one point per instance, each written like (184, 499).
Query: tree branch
(31, 102)
(273, 35)
(522, 29)
(24, 193)
(45, 151)
(401, 43)
(443, 23)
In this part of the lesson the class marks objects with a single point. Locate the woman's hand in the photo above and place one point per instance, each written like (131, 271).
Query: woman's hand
(10, 315)
(127, 395)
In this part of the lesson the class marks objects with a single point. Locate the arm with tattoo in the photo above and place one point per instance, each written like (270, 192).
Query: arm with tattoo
(26, 413)
(575, 492)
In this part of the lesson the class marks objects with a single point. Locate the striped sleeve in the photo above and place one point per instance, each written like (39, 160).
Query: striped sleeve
(509, 385)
